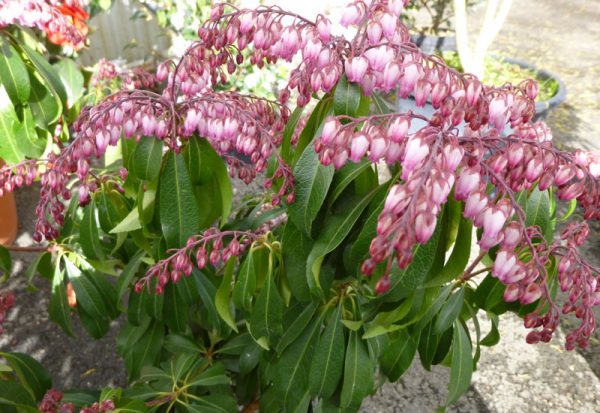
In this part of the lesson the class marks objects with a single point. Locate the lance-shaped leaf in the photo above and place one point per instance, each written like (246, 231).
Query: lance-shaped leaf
(297, 327)
(145, 161)
(359, 371)
(28, 141)
(145, 351)
(59, 310)
(296, 247)
(312, 183)
(449, 312)
(349, 100)
(328, 360)
(462, 363)
(88, 233)
(30, 372)
(222, 298)
(178, 212)
(245, 284)
(13, 73)
(46, 106)
(175, 310)
(267, 316)
(9, 150)
(47, 73)
(71, 78)
(399, 355)
(337, 228)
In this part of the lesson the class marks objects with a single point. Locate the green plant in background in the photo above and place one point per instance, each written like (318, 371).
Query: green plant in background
(309, 296)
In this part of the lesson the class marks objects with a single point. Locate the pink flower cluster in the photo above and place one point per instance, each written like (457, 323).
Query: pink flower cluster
(51, 403)
(54, 17)
(7, 301)
(129, 79)
(15, 176)
(212, 247)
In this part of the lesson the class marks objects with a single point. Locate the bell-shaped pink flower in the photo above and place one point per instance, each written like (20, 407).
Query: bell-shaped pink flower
(358, 147)
(356, 68)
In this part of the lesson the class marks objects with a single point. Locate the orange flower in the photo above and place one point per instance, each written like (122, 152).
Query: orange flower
(77, 17)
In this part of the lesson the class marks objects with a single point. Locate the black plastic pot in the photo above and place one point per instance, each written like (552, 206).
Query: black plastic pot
(432, 44)
(542, 109)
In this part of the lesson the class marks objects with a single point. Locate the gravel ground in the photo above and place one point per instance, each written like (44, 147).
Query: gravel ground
(563, 37)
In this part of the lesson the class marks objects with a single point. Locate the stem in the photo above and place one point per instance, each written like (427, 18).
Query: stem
(468, 272)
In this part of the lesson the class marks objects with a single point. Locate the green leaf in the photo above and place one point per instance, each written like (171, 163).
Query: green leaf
(296, 247)
(5, 261)
(297, 326)
(214, 403)
(312, 183)
(13, 396)
(462, 364)
(207, 167)
(179, 344)
(449, 312)
(95, 326)
(428, 346)
(458, 259)
(145, 351)
(337, 228)
(9, 150)
(537, 212)
(359, 371)
(348, 99)
(111, 209)
(88, 233)
(30, 372)
(245, 284)
(145, 161)
(46, 106)
(222, 298)
(430, 310)
(174, 310)
(321, 110)
(72, 79)
(47, 72)
(493, 337)
(267, 316)
(128, 273)
(345, 177)
(328, 360)
(288, 132)
(28, 141)
(13, 73)
(88, 296)
(249, 358)
(58, 309)
(177, 205)
(386, 318)
(212, 376)
(399, 355)
(292, 369)
(129, 224)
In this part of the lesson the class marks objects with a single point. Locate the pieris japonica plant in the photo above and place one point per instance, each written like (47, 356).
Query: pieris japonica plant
(310, 294)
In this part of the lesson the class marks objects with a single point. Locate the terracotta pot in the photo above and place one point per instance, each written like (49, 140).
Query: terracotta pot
(8, 218)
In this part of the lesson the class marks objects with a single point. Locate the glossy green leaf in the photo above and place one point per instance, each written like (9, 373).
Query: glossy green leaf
(145, 351)
(337, 227)
(292, 369)
(88, 233)
(245, 284)
(207, 167)
(146, 158)
(9, 150)
(213, 403)
(111, 209)
(266, 318)
(46, 72)
(321, 110)
(222, 298)
(5, 262)
(328, 361)
(312, 181)
(128, 274)
(296, 248)
(177, 205)
(449, 311)
(537, 212)
(399, 355)
(493, 337)
(174, 310)
(428, 345)
(59, 310)
(359, 371)
(129, 224)
(431, 309)
(71, 78)
(46, 106)
(349, 100)
(130, 334)
(387, 318)
(27, 138)
(457, 262)
(179, 344)
(250, 357)
(289, 131)
(345, 176)
(13, 73)
(212, 376)
(14, 396)
(462, 364)
(297, 326)
(96, 327)
(88, 296)
(30, 372)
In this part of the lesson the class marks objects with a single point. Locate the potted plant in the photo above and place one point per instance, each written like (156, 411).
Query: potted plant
(309, 295)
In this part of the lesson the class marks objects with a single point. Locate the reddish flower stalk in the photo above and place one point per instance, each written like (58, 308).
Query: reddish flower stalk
(7, 301)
